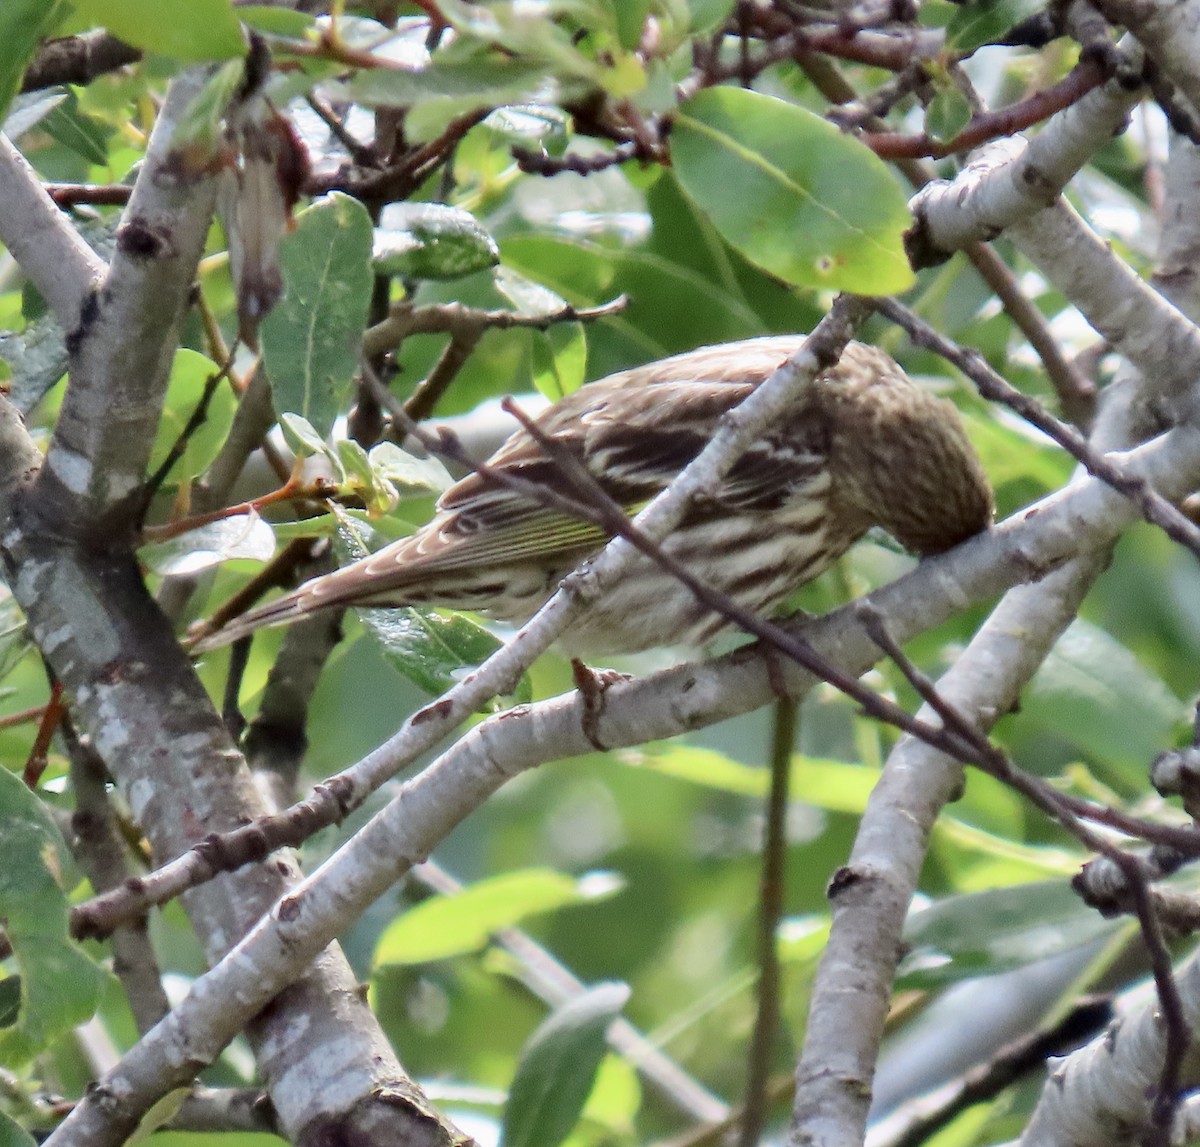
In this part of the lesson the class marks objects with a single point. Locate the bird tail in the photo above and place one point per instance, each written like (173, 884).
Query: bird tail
(205, 636)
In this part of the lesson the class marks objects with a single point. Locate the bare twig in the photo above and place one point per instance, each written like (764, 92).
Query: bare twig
(457, 319)
(984, 126)
(755, 1107)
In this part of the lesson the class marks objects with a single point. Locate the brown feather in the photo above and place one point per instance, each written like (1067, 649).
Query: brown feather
(862, 446)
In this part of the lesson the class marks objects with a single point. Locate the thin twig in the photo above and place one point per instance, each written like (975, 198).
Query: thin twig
(457, 319)
(1085, 76)
(179, 447)
(756, 1105)
(432, 388)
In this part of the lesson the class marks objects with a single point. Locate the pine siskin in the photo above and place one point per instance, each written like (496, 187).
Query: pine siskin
(864, 446)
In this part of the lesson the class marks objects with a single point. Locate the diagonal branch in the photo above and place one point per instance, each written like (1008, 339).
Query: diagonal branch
(40, 237)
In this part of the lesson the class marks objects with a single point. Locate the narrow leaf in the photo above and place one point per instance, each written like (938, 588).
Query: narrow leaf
(446, 926)
(310, 342)
(60, 986)
(792, 193)
(78, 131)
(558, 1067)
(995, 931)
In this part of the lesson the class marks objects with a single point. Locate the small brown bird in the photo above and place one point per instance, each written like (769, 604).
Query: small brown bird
(863, 446)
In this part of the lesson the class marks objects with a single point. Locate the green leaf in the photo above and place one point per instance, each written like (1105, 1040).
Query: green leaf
(558, 1067)
(559, 358)
(996, 931)
(436, 94)
(432, 241)
(13, 1134)
(10, 1000)
(527, 296)
(355, 464)
(531, 125)
(276, 21)
(300, 436)
(406, 469)
(311, 340)
(707, 15)
(446, 926)
(239, 536)
(792, 193)
(979, 23)
(190, 375)
(38, 358)
(631, 22)
(81, 133)
(182, 29)
(1011, 450)
(60, 986)
(26, 111)
(832, 785)
(430, 649)
(947, 114)
(23, 23)
(198, 135)
(1085, 691)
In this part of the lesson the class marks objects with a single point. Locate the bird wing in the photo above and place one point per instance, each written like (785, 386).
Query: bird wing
(633, 440)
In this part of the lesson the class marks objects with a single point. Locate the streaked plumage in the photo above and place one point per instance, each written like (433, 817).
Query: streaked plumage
(864, 446)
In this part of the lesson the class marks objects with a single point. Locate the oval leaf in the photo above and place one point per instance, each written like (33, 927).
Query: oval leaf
(446, 926)
(792, 193)
(59, 986)
(432, 241)
(558, 1067)
(310, 341)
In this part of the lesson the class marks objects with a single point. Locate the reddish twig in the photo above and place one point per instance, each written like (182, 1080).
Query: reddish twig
(1085, 76)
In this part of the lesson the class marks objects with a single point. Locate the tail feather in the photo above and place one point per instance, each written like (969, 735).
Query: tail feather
(205, 637)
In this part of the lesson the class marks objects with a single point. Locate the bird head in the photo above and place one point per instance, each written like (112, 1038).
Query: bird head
(900, 456)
